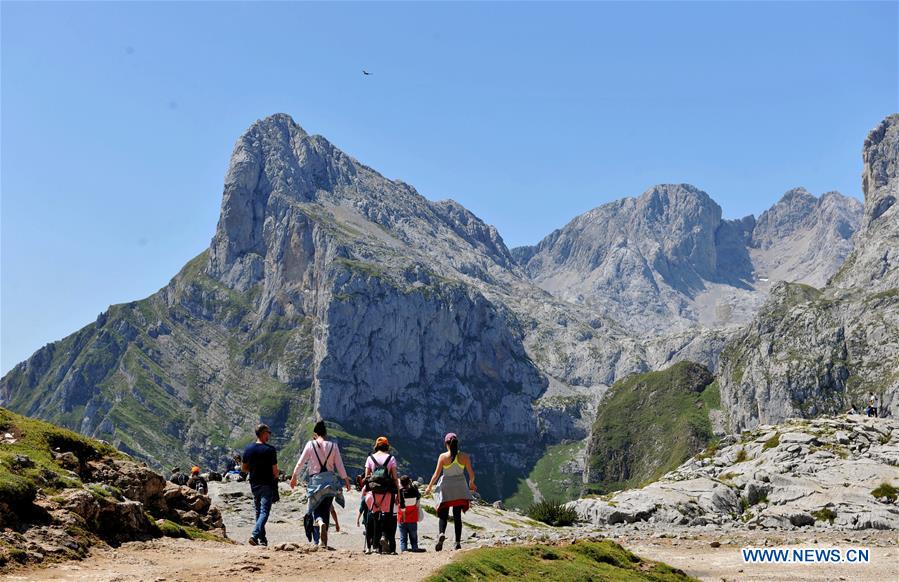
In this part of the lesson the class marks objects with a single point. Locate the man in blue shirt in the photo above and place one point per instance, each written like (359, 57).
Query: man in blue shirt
(260, 460)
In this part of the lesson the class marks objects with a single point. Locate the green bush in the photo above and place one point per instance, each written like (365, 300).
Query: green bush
(886, 491)
(552, 513)
(825, 514)
(772, 442)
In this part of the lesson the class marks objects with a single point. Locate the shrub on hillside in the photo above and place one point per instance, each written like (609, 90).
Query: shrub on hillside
(552, 513)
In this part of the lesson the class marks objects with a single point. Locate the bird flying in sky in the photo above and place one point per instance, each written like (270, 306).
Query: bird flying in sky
(364, 72)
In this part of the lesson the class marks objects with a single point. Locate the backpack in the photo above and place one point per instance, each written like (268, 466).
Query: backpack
(380, 480)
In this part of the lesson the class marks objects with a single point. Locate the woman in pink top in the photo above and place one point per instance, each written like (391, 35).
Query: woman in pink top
(320, 456)
(382, 483)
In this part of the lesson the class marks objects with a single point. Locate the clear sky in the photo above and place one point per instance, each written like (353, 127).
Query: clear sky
(118, 118)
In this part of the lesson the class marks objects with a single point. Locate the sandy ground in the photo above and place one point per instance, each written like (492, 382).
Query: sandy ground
(174, 559)
(699, 559)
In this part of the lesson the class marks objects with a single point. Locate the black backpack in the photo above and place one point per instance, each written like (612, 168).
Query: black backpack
(380, 480)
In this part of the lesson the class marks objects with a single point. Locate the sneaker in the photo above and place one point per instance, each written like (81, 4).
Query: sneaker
(458, 546)
(253, 542)
(368, 551)
(440, 539)
(263, 543)
(418, 550)
(385, 545)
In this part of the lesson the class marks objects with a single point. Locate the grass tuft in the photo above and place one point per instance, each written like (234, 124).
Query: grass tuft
(552, 513)
(886, 491)
(600, 560)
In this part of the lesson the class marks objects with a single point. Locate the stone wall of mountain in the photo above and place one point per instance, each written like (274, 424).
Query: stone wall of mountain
(817, 351)
(666, 261)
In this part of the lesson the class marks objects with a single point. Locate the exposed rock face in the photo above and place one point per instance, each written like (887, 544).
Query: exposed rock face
(819, 472)
(805, 239)
(811, 351)
(666, 260)
(64, 493)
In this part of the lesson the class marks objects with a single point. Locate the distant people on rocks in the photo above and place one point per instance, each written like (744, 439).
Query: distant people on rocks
(177, 477)
(872, 405)
(409, 514)
(197, 482)
(325, 471)
(260, 462)
(452, 491)
(234, 471)
(381, 488)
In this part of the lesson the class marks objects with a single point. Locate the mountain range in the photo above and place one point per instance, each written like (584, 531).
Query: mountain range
(331, 291)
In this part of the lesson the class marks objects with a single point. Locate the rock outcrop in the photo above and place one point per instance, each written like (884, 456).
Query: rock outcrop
(61, 493)
(827, 471)
(816, 351)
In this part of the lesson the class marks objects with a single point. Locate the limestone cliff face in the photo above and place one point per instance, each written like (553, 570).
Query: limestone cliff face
(814, 351)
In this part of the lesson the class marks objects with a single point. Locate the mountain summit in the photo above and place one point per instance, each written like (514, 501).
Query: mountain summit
(666, 260)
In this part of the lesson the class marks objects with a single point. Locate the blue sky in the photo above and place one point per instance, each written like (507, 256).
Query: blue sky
(118, 118)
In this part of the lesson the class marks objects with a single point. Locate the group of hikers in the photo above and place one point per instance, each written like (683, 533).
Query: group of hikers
(195, 481)
(871, 409)
(389, 501)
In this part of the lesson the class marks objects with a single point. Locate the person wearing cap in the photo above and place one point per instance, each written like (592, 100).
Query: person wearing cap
(382, 496)
(452, 491)
(260, 461)
(197, 482)
(325, 470)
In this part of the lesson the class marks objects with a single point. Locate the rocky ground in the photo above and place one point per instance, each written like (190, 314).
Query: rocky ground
(800, 474)
(62, 493)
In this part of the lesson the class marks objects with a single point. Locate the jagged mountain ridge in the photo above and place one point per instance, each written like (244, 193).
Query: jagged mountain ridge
(666, 260)
(329, 290)
(811, 351)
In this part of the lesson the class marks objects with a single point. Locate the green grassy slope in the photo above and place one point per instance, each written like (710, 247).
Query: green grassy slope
(550, 477)
(649, 424)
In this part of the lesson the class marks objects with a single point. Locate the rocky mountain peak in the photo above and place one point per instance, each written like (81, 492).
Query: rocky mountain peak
(784, 218)
(672, 200)
(880, 177)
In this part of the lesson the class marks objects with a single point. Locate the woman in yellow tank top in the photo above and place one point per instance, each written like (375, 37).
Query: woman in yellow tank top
(452, 491)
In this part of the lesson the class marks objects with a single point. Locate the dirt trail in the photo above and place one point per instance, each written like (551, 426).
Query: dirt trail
(175, 559)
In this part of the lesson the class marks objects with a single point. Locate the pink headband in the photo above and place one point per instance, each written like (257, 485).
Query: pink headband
(449, 436)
